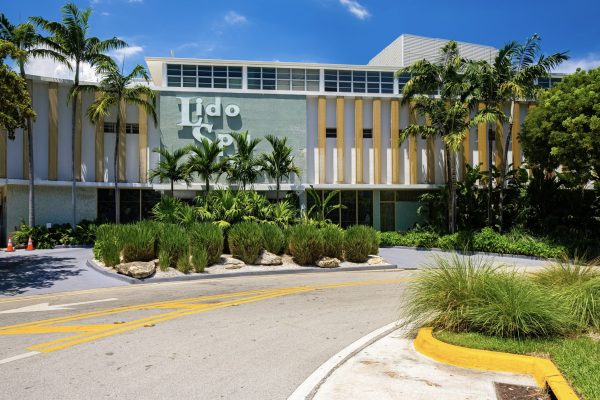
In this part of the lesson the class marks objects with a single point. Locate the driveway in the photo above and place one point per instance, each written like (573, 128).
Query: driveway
(48, 271)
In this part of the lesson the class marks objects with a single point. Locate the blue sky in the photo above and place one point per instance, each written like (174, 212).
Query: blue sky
(330, 31)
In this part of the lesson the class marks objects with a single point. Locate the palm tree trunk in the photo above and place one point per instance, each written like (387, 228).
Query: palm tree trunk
(490, 176)
(277, 188)
(73, 133)
(116, 166)
(31, 216)
(451, 173)
(207, 183)
(172, 189)
(504, 165)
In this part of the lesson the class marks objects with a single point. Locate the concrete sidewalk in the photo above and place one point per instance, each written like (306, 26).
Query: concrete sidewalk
(392, 369)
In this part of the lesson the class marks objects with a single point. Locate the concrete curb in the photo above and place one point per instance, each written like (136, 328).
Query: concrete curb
(468, 253)
(194, 277)
(544, 371)
(308, 389)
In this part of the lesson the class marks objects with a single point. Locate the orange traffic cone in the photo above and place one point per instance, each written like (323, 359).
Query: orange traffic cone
(30, 244)
(9, 247)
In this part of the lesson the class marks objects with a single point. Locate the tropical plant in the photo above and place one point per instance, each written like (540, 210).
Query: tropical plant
(511, 77)
(171, 166)
(333, 241)
(448, 113)
(71, 37)
(246, 241)
(243, 166)
(282, 213)
(279, 163)
(204, 161)
(322, 207)
(305, 243)
(167, 210)
(116, 91)
(208, 237)
(273, 238)
(138, 242)
(173, 245)
(32, 45)
(360, 241)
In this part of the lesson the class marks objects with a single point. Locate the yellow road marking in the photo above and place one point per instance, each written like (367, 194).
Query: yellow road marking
(181, 308)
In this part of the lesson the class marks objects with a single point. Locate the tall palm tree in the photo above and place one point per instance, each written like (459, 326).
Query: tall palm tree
(244, 167)
(171, 166)
(71, 34)
(32, 45)
(204, 161)
(116, 89)
(511, 77)
(279, 163)
(447, 106)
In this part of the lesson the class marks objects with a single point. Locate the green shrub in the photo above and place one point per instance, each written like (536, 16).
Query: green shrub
(245, 241)
(273, 238)
(488, 240)
(107, 247)
(459, 241)
(390, 238)
(333, 241)
(360, 241)
(516, 242)
(209, 237)
(583, 300)
(139, 241)
(564, 273)
(173, 242)
(199, 258)
(305, 244)
(183, 262)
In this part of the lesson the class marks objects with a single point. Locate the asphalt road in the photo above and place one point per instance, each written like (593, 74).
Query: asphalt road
(234, 338)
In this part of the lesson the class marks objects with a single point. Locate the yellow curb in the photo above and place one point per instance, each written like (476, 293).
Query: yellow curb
(544, 371)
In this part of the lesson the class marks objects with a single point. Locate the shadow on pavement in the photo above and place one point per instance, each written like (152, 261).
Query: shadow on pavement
(21, 273)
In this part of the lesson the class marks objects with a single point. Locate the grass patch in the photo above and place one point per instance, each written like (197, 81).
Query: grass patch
(578, 358)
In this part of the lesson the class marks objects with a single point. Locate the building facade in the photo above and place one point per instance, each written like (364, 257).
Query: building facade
(343, 122)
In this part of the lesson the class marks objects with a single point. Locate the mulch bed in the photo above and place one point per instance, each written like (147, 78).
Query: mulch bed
(506, 391)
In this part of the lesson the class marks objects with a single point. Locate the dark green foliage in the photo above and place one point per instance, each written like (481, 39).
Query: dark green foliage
(333, 241)
(138, 241)
(305, 244)
(245, 241)
(107, 247)
(421, 238)
(173, 243)
(273, 238)
(183, 262)
(208, 237)
(359, 242)
(58, 234)
(199, 258)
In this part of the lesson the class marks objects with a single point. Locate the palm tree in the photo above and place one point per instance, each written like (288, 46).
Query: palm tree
(71, 35)
(32, 45)
(116, 89)
(322, 206)
(448, 111)
(279, 163)
(244, 166)
(511, 77)
(171, 166)
(204, 161)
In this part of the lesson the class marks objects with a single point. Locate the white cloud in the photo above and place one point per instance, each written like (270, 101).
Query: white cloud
(135, 1)
(233, 18)
(105, 14)
(356, 9)
(52, 69)
(588, 62)
(121, 54)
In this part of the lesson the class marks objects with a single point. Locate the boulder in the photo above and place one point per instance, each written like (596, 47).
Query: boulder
(266, 258)
(137, 269)
(231, 263)
(328, 262)
(374, 260)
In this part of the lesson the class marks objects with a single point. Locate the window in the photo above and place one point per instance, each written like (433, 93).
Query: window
(111, 127)
(345, 81)
(367, 133)
(204, 76)
(403, 80)
(284, 79)
(348, 214)
(331, 132)
(365, 207)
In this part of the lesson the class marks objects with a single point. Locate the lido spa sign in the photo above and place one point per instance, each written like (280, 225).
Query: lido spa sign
(201, 126)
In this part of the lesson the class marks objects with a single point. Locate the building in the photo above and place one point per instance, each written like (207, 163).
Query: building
(342, 121)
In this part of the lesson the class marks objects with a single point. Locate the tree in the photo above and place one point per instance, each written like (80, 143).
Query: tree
(32, 45)
(114, 92)
(512, 77)
(447, 112)
(564, 130)
(71, 36)
(204, 161)
(171, 166)
(322, 206)
(243, 167)
(15, 102)
(279, 163)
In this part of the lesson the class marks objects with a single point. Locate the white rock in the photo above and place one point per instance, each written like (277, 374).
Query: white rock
(137, 269)
(328, 262)
(266, 258)
(374, 260)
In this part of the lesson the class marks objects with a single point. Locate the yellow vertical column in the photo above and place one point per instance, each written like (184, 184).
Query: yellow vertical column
(339, 142)
(52, 131)
(482, 142)
(395, 139)
(99, 148)
(122, 150)
(412, 147)
(377, 140)
(3, 139)
(143, 144)
(78, 135)
(322, 138)
(430, 155)
(26, 138)
(516, 145)
(358, 138)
